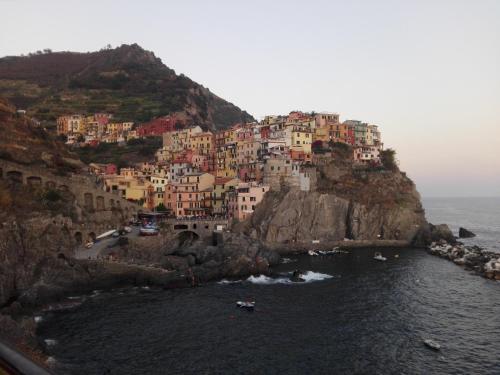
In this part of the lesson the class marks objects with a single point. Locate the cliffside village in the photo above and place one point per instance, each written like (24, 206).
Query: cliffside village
(226, 173)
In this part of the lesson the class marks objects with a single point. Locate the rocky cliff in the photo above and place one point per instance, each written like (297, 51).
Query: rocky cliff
(344, 203)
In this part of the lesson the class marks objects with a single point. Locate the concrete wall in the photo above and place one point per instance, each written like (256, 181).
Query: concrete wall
(84, 190)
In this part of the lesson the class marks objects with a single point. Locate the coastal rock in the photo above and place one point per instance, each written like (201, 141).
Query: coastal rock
(464, 233)
(342, 204)
(473, 258)
(442, 232)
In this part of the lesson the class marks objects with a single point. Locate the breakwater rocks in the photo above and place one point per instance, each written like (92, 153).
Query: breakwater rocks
(474, 258)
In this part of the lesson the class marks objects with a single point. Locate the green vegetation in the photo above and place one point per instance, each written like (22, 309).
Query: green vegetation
(51, 195)
(161, 207)
(127, 81)
(388, 159)
(135, 151)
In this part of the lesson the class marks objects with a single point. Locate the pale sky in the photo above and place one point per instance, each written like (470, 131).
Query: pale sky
(427, 72)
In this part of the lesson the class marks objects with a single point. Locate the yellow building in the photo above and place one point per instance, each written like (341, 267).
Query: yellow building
(201, 143)
(222, 186)
(321, 134)
(301, 139)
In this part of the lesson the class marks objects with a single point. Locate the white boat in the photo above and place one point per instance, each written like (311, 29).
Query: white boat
(249, 305)
(432, 344)
(379, 257)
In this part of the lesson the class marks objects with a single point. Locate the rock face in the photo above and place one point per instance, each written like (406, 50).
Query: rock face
(343, 204)
(464, 233)
(235, 255)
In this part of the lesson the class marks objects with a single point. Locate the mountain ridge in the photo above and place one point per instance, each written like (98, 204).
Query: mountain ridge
(127, 81)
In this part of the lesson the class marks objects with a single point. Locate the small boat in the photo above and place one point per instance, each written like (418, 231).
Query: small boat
(312, 253)
(432, 344)
(378, 256)
(249, 305)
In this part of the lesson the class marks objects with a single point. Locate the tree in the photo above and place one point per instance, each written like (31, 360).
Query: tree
(161, 207)
(388, 159)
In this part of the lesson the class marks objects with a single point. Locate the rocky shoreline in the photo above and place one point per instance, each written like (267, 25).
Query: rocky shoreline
(471, 258)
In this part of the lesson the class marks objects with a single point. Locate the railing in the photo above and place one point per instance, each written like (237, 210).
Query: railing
(13, 362)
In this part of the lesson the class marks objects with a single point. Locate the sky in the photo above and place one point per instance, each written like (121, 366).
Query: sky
(426, 72)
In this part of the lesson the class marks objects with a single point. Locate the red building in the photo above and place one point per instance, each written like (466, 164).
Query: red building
(102, 118)
(111, 169)
(158, 126)
(265, 132)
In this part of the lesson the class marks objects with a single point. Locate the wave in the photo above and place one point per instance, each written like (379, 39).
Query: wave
(226, 282)
(315, 276)
(50, 342)
(309, 276)
(288, 260)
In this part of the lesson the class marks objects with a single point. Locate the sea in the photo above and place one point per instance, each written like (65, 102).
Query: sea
(351, 315)
(479, 215)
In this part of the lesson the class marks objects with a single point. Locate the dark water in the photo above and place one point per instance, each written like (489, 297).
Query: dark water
(370, 318)
(480, 215)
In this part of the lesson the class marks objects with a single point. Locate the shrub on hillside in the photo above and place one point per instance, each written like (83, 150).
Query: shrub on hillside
(388, 159)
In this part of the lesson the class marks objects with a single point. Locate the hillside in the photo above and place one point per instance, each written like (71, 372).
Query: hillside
(23, 142)
(129, 82)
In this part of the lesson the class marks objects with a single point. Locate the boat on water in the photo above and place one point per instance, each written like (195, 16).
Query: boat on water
(149, 230)
(432, 344)
(378, 256)
(248, 305)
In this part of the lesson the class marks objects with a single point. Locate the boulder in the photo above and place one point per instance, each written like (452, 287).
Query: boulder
(176, 262)
(464, 233)
(442, 232)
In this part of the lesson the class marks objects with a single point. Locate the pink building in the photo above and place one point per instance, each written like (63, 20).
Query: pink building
(244, 199)
(111, 169)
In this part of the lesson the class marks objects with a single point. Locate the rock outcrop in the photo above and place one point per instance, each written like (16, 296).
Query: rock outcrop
(344, 204)
(473, 258)
(464, 233)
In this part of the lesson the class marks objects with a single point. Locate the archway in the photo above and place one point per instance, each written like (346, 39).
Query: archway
(15, 177)
(88, 201)
(34, 181)
(187, 237)
(99, 203)
(92, 236)
(79, 238)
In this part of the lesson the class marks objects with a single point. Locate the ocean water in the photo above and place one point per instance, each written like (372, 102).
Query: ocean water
(353, 315)
(479, 215)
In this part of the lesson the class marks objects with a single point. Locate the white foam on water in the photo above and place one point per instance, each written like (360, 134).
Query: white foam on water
(315, 276)
(226, 282)
(37, 319)
(266, 280)
(50, 342)
(309, 276)
(51, 361)
(288, 260)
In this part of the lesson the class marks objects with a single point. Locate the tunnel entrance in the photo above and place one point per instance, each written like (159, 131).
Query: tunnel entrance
(187, 237)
